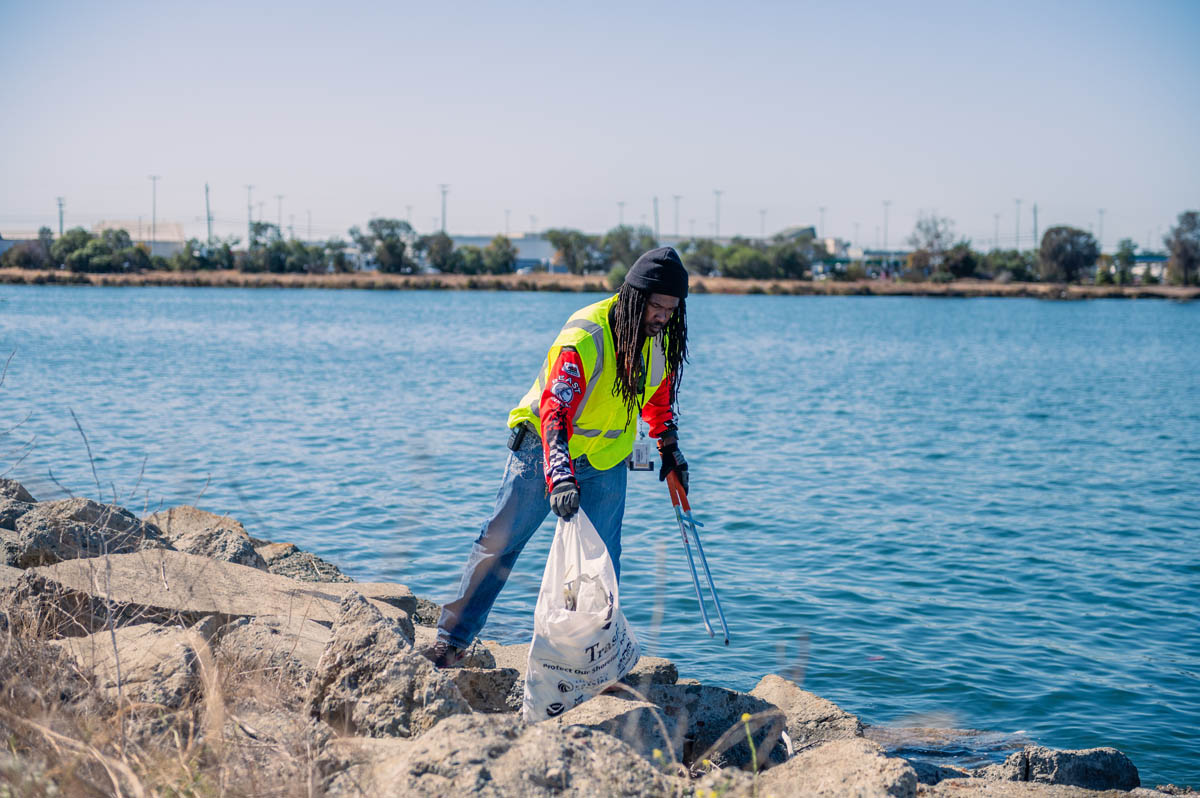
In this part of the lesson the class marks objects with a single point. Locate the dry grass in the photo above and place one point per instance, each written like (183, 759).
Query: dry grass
(577, 283)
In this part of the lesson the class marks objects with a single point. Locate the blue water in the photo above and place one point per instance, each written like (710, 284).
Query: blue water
(983, 511)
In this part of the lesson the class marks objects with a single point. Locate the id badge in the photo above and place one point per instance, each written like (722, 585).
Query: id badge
(643, 452)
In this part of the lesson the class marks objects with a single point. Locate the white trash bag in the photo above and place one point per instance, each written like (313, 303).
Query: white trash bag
(581, 640)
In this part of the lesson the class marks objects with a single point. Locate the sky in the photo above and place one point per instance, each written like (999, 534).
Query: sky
(558, 112)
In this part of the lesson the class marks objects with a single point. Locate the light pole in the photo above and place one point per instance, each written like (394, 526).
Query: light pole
(717, 219)
(249, 215)
(444, 187)
(153, 209)
(279, 211)
(60, 202)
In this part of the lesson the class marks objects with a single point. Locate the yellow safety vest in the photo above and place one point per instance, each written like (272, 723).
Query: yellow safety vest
(600, 431)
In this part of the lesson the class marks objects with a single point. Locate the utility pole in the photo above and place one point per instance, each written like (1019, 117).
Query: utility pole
(886, 203)
(996, 232)
(208, 214)
(279, 211)
(60, 201)
(153, 209)
(717, 219)
(821, 231)
(292, 226)
(249, 216)
(1017, 235)
(677, 198)
(1035, 238)
(1100, 231)
(444, 187)
(656, 220)
(620, 213)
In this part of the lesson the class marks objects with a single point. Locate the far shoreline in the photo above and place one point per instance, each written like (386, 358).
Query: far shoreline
(582, 283)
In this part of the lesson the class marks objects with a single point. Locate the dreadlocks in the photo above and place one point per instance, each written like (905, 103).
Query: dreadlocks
(628, 340)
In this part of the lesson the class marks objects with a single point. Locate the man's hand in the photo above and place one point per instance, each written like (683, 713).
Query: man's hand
(564, 499)
(672, 460)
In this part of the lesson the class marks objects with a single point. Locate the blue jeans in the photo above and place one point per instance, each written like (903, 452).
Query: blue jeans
(521, 506)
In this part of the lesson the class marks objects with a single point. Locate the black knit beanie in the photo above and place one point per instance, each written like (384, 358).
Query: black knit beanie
(659, 271)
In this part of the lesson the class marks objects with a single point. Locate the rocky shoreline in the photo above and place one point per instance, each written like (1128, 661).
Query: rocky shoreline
(178, 654)
(595, 283)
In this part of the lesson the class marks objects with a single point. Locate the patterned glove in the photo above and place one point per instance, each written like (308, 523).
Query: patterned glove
(672, 460)
(564, 499)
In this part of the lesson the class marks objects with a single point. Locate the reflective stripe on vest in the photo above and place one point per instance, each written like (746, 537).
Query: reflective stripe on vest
(597, 332)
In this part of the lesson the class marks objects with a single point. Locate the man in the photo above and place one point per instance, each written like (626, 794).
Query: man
(574, 429)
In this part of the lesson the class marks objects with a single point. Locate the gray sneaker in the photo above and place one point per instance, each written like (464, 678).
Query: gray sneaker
(444, 655)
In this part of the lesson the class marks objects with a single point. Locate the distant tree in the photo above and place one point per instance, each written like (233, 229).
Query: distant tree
(1124, 259)
(624, 244)
(931, 239)
(65, 245)
(1065, 253)
(469, 260)
(616, 276)
(26, 255)
(960, 261)
(500, 256)
(336, 259)
(700, 256)
(1008, 264)
(1184, 245)
(792, 256)
(747, 262)
(577, 251)
(439, 250)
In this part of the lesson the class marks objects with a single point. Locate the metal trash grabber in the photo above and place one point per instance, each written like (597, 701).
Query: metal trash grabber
(683, 515)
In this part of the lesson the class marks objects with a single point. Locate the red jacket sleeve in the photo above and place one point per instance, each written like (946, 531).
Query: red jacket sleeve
(658, 412)
(558, 408)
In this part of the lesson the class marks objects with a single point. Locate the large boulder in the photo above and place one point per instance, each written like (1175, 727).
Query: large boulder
(710, 726)
(10, 549)
(143, 662)
(285, 559)
(196, 531)
(371, 682)
(277, 645)
(77, 597)
(839, 768)
(489, 689)
(810, 719)
(1092, 768)
(78, 528)
(10, 511)
(643, 727)
(497, 755)
(11, 489)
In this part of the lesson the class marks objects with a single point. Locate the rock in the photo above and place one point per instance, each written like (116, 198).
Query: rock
(496, 755)
(929, 773)
(489, 689)
(197, 531)
(842, 767)
(11, 489)
(11, 510)
(285, 559)
(810, 719)
(1092, 768)
(370, 680)
(10, 549)
(275, 645)
(73, 528)
(157, 664)
(427, 613)
(9, 576)
(709, 724)
(980, 788)
(75, 597)
(642, 726)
